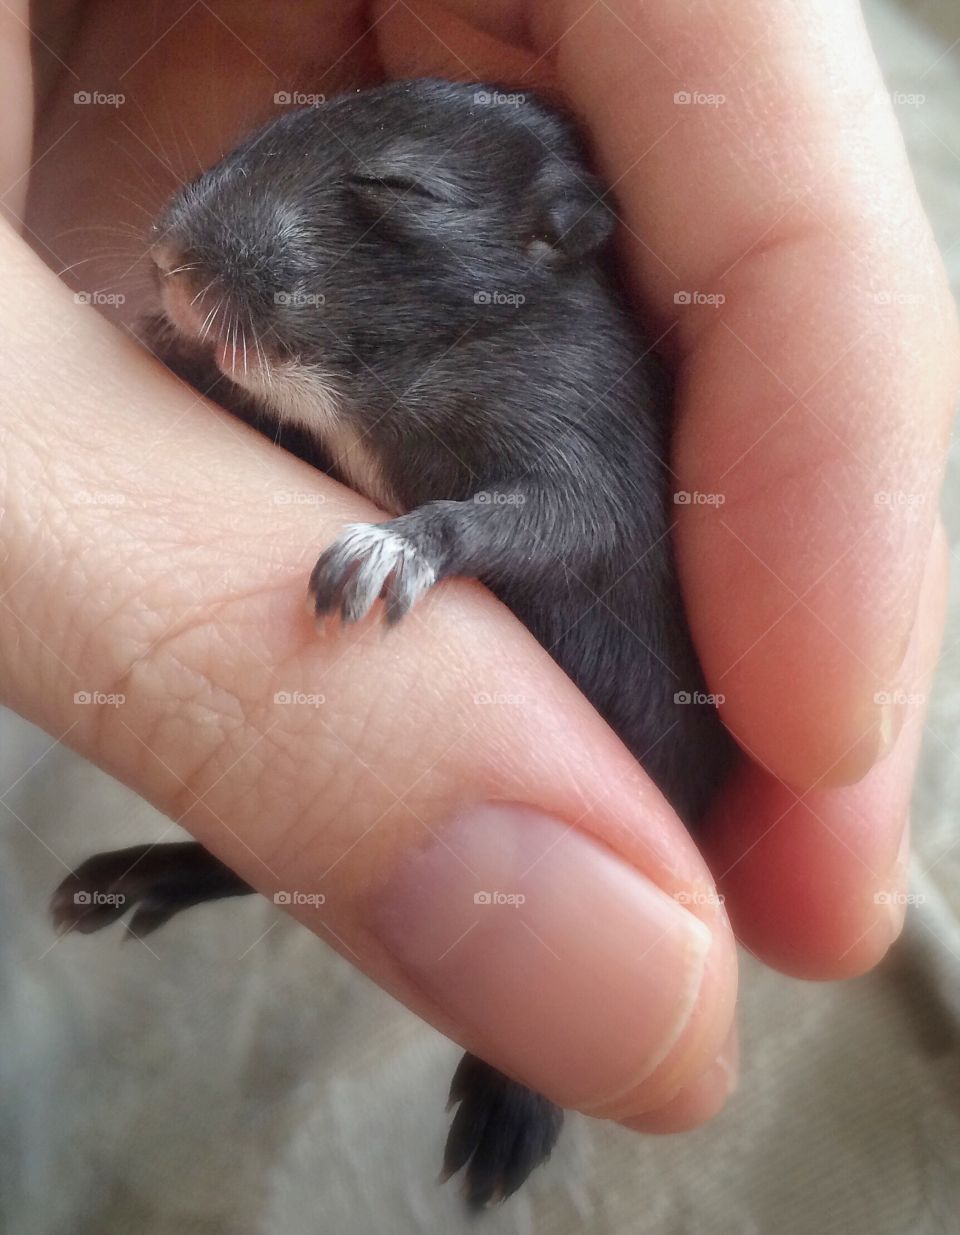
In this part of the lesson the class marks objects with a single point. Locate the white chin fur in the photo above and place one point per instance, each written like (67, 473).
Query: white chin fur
(304, 395)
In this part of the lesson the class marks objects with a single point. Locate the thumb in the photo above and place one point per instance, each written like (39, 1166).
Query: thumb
(482, 845)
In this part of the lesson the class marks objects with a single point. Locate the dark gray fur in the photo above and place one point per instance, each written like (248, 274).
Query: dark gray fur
(523, 443)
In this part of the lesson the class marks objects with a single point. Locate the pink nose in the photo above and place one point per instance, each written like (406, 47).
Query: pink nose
(182, 295)
(167, 256)
(184, 303)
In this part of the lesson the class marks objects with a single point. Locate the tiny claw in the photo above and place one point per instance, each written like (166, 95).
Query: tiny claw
(366, 563)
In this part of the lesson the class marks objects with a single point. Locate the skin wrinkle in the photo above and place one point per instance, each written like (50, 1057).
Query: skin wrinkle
(145, 658)
(117, 628)
(316, 842)
(786, 238)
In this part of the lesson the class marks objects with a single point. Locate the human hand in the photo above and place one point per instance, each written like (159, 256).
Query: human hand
(184, 594)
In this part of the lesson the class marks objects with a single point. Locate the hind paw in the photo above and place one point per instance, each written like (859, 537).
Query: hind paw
(501, 1132)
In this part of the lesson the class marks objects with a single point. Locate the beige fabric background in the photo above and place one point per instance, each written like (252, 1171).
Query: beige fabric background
(238, 1078)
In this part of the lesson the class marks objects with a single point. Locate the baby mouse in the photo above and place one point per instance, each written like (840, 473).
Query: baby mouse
(413, 287)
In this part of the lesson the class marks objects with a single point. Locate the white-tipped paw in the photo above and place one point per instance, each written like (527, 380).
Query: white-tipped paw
(367, 562)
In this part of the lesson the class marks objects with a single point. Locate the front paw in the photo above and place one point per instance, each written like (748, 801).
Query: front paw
(366, 562)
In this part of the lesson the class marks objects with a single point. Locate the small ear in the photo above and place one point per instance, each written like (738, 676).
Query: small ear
(571, 210)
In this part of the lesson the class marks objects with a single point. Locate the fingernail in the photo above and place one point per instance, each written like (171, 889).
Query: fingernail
(579, 972)
(893, 898)
(893, 713)
(700, 1100)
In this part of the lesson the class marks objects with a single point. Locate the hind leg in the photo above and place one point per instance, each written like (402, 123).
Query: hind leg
(501, 1132)
(156, 881)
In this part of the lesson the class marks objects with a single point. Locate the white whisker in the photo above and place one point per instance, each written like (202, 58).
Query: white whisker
(201, 293)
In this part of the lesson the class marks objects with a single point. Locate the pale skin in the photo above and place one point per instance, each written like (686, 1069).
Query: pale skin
(816, 606)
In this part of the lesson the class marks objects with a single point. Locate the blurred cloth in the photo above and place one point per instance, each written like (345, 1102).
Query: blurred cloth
(235, 1076)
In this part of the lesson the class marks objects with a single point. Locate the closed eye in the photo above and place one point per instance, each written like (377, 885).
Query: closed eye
(399, 185)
